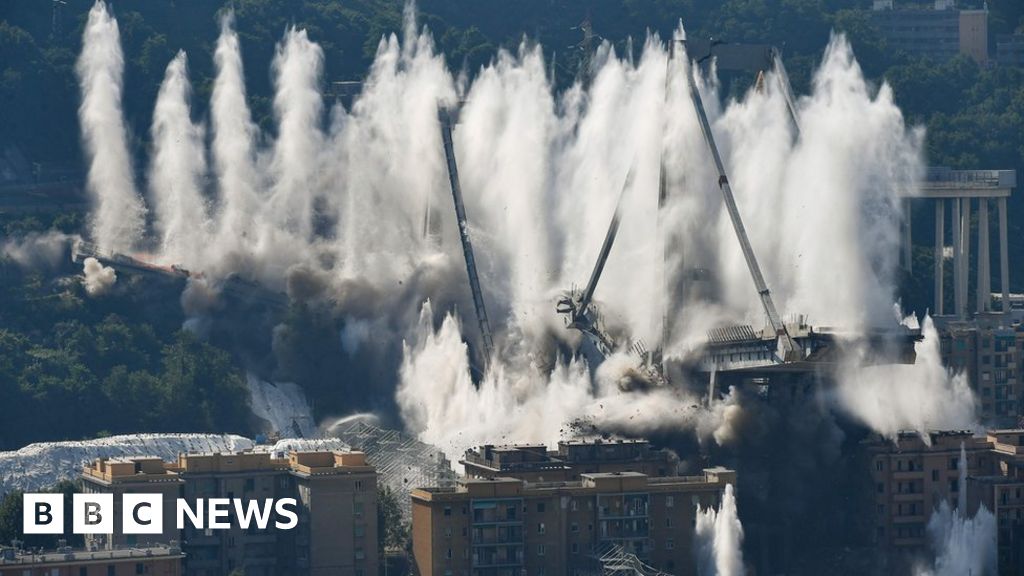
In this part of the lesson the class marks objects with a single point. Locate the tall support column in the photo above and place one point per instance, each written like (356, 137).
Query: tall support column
(1004, 258)
(940, 254)
(908, 247)
(965, 273)
(958, 257)
(984, 290)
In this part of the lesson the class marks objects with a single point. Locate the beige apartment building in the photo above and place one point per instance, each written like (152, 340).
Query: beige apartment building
(509, 527)
(150, 560)
(912, 477)
(535, 463)
(118, 476)
(336, 495)
(1001, 491)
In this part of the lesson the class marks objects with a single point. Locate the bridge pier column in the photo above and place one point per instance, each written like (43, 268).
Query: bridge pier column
(1004, 258)
(958, 296)
(940, 254)
(965, 273)
(984, 293)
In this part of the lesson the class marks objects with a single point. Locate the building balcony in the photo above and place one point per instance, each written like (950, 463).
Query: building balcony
(908, 497)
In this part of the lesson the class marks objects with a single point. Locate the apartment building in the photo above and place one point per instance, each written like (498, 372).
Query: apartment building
(505, 526)
(911, 477)
(940, 31)
(1001, 491)
(571, 459)
(118, 476)
(336, 494)
(150, 560)
(989, 350)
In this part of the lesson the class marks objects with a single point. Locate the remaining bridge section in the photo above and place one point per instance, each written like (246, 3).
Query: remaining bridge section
(962, 190)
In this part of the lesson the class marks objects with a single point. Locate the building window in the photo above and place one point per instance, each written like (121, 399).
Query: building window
(447, 510)
(359, 485)
(140, 568)
(935, 475)
(670, 501)
(575, 547)
(357, 509)
(574, 527)
(540, 507)
(540, 550)
(670, 544)
(574, 505)
(540, 528)
(360, 555)
(879, 464)
(360, 530)
(668, 522)
(447, 531)
(448, 554)
(250, 484)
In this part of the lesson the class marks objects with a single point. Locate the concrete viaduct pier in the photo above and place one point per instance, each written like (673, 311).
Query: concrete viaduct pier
(963, 191)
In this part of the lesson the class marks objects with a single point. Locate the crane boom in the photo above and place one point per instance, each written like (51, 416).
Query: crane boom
(788, 346)
(467, 246)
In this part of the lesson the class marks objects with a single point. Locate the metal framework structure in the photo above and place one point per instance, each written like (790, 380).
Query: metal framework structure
(402, 461)
(616, 561)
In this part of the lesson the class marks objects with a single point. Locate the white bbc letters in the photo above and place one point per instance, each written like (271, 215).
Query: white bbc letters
(142, 513)
(92, 514)
(43, 514)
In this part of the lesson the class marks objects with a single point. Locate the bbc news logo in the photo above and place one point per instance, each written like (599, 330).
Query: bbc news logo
(144, 513)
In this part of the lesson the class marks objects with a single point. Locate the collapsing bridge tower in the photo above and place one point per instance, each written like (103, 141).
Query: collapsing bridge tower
(445, 116)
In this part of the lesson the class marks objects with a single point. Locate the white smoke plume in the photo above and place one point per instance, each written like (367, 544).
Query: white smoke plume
(525, 403)
(233, 147)
(98, 278)
(719, 539)
(177, 171)
(921, 396)
(962, 545)
(38, 250)
(541, 173)
(118, 212)
(823, 213)
(299, 108)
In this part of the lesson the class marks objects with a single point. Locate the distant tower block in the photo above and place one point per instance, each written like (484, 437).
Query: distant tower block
(960, 189)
